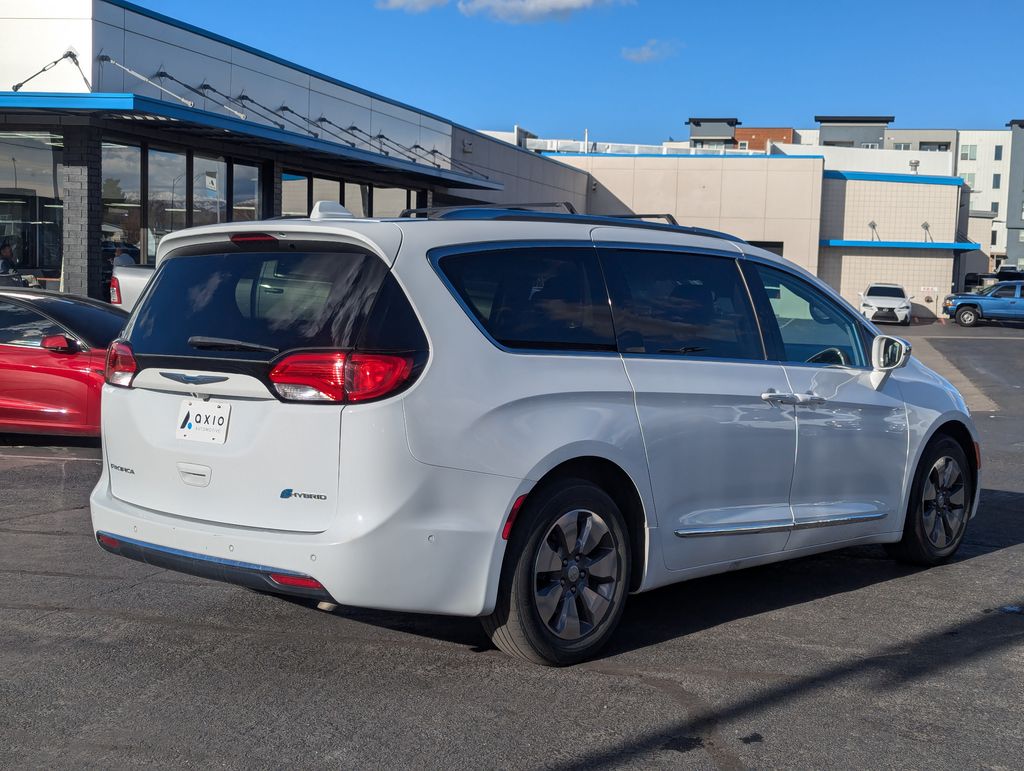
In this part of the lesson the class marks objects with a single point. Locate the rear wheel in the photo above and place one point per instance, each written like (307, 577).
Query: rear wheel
(967, 317)
(940, 505)
(565, 576)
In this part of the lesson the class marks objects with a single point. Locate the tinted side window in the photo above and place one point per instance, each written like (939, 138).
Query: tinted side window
(97, 326)
(681, 304)
(21, 326)
(1009, 290)
(809, 327)
(535, 297)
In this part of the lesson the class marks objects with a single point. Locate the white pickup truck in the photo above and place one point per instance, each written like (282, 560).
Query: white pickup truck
(127, 284)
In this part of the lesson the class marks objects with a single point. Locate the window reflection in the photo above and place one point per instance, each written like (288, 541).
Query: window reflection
(31, 211)
(326, 190)
(245, 195)
(389, 201)
(165, 210)
(121, 171)
(357, 199)
(294, 194)
(209, 190)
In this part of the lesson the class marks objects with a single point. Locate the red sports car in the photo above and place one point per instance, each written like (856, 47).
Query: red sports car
(52, 350)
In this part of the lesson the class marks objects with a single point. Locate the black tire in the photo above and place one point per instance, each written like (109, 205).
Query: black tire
(905, 323)
(930, 536)
(967, 317)
(517, 625)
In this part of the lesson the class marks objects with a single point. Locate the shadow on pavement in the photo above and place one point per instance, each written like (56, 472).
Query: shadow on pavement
(676, 611)
(46, 440)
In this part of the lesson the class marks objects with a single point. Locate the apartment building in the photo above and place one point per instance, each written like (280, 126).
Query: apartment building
(983, 162)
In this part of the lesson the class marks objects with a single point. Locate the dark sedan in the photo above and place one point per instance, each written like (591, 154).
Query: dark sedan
(52, 350)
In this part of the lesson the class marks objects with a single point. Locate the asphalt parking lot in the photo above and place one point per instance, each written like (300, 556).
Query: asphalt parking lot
(843, 660)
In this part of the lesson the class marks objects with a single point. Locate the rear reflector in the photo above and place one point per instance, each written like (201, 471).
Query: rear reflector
(115, 291)
(339, 377)
(507, 531)
(121, 365)
(252, 238)
(106, 540)
(300, 582)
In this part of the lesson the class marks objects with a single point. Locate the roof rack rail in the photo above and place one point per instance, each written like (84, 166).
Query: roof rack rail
(492, 212)
(670, 219)
(438, 212)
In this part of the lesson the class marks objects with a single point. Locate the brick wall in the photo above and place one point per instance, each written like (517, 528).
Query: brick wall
(758, 138)
(81, 190)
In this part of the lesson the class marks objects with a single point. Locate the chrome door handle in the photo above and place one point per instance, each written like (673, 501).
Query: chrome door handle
(775, 397)
(810, 399)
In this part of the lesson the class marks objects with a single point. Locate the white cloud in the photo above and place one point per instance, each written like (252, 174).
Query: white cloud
(527, 10)
(410, 6)
(651, 51)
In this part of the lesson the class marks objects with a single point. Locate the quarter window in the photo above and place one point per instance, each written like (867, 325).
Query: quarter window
(678, 304)
(805, 324)
(548, 298)
(21, 326)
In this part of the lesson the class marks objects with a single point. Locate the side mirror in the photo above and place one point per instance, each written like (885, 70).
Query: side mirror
(887, 354)
(58, 344)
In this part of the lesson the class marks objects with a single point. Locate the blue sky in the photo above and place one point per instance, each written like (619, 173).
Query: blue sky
(634, 70)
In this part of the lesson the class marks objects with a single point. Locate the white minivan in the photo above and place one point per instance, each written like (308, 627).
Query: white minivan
(516, 415)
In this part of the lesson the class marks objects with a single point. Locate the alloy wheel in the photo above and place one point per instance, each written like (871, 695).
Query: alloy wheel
(576, 572)
(943, 502)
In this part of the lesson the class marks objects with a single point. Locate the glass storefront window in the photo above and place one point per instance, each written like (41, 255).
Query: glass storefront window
(294, 194)
(209, 190)
(31, 211)
(121, 171)
(326, 190)
(357, 199)
(165, 210)
(389, 201)
(245, 194)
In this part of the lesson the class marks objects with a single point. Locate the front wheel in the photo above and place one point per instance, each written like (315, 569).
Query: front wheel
(565, 576)
(967, 317)
(940, 505)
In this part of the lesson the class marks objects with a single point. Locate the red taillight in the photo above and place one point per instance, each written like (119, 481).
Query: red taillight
(301, 582)
(121, 365)
(252, 238)
(371, 375)
(106, 540)
(339, 377)
(311, 377)
(115, 291)
(507, 531)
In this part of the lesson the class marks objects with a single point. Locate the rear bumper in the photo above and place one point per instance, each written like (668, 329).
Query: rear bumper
(434, 549)
(253, 576)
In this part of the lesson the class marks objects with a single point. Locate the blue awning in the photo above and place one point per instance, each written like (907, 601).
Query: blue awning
(134, 107)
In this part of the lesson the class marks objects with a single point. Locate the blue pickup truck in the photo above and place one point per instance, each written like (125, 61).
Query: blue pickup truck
(1002, 301)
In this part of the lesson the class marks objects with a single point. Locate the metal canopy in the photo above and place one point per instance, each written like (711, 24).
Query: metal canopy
(132, 111)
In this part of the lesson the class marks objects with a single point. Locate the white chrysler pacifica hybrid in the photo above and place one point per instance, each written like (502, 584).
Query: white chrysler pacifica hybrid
(515, 415)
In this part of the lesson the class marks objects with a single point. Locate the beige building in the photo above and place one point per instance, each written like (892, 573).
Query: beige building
(772, 201)
(852, 228)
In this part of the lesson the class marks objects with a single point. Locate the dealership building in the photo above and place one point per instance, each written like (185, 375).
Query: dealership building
(119, 125)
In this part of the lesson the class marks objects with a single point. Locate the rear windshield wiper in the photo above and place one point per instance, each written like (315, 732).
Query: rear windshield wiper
(227, 344)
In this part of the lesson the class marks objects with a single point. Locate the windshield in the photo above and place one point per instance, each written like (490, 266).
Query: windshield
(253, 305)
(886, 291)
(989, 289)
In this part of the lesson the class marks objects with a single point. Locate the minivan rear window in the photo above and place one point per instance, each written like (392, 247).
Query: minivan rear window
(267, 302)
(545, 298)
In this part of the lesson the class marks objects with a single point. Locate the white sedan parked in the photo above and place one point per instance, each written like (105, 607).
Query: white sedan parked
(886, 302)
